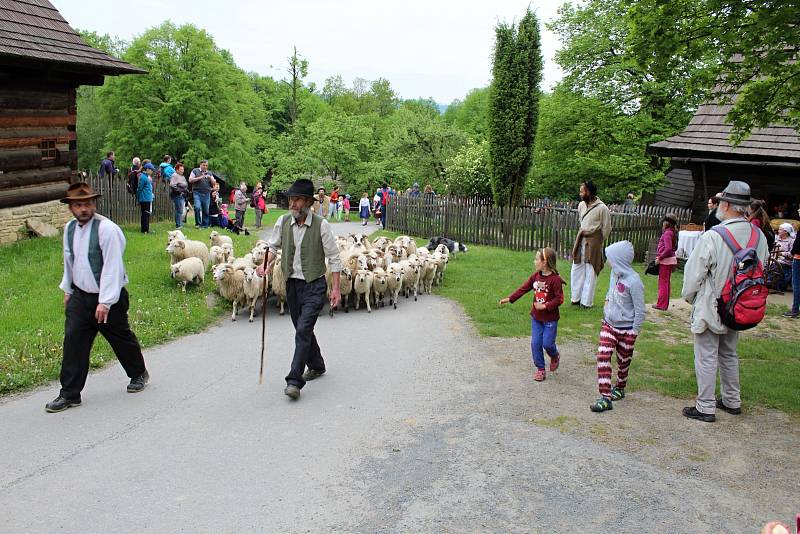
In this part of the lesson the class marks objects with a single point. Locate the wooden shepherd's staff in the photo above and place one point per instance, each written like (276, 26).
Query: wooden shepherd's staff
(263, 317)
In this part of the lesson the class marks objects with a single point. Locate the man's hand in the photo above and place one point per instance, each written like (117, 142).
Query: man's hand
(101, 313)
(66, 299)
(336, 297)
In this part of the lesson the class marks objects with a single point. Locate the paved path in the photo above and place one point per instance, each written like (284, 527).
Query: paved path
(409, 431)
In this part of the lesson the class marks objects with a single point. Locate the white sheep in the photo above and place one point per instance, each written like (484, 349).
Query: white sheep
(279, 283)
(345, 286)
(230, 282)
(253, 288)
(180, 249)
(244, 262)
(428, 274)
(188, 270)
(410, 281)
(380, 286)
(441, 264)
(216, 256)
(217, 239)
(227, 252)
(394, 280)
(362, 285)
(172, 235)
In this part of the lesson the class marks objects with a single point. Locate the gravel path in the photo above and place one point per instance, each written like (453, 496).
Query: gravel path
(418, 426)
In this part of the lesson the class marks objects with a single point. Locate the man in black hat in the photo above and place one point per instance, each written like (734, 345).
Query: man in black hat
(306, 240)
(95, 298)
(704, 277)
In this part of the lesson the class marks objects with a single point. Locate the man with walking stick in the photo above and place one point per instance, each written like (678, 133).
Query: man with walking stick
(306, 240)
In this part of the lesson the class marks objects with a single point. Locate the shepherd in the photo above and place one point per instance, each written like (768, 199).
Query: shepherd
(587, 253)
(306, 239)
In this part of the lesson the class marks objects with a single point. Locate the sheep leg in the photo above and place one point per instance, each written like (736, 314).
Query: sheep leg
(252, 308)
(183, 286)
(358, 300)
(280, 299)
(366, 299)
(346, 302)
(416, 290)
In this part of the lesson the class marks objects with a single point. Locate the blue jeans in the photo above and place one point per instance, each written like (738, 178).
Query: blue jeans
(795, 286)
(543, 336)
(201, 204)
(180, 205)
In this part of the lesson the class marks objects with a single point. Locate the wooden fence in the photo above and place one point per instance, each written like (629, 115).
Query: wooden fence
(536, 225)
(121, 207)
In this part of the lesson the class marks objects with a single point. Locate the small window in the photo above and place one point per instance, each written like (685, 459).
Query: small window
(48, 147)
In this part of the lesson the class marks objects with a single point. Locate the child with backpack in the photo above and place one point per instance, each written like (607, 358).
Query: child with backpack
(547, 297)
(623, 316)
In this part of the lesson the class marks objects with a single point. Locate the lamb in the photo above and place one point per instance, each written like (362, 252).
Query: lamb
(253, 288)
(216, 256)
(180, 249)
(381, 242)
(258, 255)
(345, 286)
(188, 270)
(428, 274)
(362, 285)
(410, 281)
(244, 262)
(279, 284)
(380, 286)
(441, 264)
(230, 282)
(227, 252)
(172, 235)
(394, 281)
(217, 239)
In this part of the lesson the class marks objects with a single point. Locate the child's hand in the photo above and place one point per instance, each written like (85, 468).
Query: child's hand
(504, 301)
(540, 306)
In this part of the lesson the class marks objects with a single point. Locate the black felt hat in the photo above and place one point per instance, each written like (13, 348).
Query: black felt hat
(301, 188)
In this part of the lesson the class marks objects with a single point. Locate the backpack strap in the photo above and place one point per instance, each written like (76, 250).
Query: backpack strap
(727, 236)
(753, 237)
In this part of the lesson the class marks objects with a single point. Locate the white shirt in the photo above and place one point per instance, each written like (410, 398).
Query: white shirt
(363, 203)
(113, 277)
(299, 231)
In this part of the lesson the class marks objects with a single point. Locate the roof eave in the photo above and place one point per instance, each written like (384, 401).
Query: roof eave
(665, 149)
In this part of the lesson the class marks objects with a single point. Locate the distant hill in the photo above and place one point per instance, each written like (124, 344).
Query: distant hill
(442, 107)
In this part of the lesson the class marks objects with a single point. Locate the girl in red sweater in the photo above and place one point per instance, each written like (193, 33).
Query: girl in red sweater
(547, 297)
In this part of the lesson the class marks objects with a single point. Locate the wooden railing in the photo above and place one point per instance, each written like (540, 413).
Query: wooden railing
(536, 225)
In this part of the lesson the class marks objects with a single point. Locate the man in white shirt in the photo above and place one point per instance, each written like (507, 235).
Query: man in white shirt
(95, 298)
(306, 240)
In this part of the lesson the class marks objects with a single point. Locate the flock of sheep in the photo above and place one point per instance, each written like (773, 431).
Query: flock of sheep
(371, 271)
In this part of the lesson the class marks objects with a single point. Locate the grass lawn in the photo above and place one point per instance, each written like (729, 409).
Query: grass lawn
(32, 316)
(664, 356)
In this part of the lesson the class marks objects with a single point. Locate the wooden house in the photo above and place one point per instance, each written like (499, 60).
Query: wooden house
(42, 62)
(704, 161)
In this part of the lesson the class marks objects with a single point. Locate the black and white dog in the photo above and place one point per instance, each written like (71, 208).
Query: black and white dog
(453, 246)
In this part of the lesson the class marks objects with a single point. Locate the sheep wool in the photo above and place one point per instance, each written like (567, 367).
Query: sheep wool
(189, 270)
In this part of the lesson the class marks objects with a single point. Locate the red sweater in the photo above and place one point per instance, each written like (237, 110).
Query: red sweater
(547, 289)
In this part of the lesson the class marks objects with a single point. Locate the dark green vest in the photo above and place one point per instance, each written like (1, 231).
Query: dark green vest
(95, 254)
(312, 255)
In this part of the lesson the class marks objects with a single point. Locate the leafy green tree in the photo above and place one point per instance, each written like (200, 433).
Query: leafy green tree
(338, 144)
(467, 171)
(470, 115)
(297, 70)
(514, 107)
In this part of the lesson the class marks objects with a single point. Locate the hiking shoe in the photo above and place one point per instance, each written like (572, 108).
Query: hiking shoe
(137, 384)
(540, 375)
(292, 392)
(575, 303)
(692, 413)
(601, 405)
(554, 361)
(59, 404)
(732, 411)
(311, 374)
(617, 394)
(790, 315)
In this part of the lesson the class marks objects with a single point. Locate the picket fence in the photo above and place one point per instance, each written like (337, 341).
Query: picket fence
(122, 208)
(537, 224)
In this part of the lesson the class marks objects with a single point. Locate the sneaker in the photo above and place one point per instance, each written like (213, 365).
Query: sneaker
(137, 384)
(59, 404)
(311, 374)
(692, 413)
(617, 393)
(732, 411)
(602, 404)
(540, 375)
(292, 392)
(554, 361)
(790, 315)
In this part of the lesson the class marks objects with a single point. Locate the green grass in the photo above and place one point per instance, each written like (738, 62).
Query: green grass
(31, 310)
(664, 356)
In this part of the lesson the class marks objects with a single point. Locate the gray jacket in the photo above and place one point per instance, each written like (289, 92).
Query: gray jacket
(624, 308)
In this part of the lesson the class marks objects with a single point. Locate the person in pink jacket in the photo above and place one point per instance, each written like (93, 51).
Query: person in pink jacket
(666, 259)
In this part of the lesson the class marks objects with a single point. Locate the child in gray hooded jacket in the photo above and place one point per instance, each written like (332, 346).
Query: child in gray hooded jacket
(623, 316)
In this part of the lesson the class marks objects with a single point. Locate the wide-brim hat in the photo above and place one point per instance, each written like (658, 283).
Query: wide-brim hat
(671, 218)
(79, 191)
(736, 193)
(301, 188)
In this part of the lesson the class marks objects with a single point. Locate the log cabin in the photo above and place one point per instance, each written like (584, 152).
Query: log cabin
(42, 63)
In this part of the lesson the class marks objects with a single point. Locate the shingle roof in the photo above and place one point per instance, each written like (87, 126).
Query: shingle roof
(708, 134)
(35, 30)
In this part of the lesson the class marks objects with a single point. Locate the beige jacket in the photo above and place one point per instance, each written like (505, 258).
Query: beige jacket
(708, 269)
(595, 225)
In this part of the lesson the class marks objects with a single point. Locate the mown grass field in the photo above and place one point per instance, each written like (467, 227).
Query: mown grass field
(664, 356)
(31, 304)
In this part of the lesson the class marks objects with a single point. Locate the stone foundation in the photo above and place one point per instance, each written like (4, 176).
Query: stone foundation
(12, 220)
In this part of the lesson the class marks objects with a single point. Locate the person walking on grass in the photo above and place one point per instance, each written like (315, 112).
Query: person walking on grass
(144, 194)
(240, 204)
(307, 240)
(364, 208)
(666, 259)
(95, 298)
(547, 297)
(704, 277)
(623, 316)
(587, 252)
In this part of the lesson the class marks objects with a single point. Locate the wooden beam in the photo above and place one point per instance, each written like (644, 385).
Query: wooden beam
(32, 142)
(13, 160)
(32, 121)
(17, 179)
(32, 195)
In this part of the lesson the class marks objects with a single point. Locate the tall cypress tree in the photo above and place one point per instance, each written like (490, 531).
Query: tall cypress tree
(514, 107)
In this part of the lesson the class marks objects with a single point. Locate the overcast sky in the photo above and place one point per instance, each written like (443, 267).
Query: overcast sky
(433, 48)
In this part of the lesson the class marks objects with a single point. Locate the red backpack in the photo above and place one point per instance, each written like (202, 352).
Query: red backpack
(743, 301)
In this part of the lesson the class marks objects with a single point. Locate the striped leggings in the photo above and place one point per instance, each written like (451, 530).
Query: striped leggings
(611, 339)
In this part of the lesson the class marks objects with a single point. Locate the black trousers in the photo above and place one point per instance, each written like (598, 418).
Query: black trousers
(305, 303)
(80, 329)
(146, 208)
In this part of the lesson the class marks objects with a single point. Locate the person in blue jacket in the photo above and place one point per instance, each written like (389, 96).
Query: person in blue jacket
(144, 194)
(166, 169)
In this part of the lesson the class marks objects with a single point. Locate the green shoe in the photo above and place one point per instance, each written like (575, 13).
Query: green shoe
(601, 405)
(617, 394)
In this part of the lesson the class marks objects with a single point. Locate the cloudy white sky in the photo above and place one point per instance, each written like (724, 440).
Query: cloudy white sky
(433, 48)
